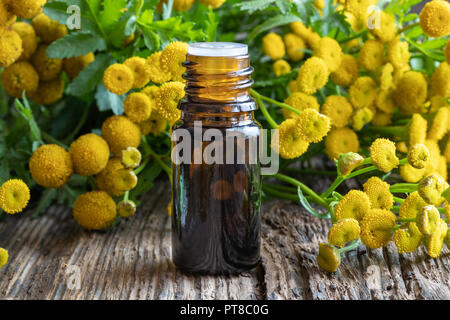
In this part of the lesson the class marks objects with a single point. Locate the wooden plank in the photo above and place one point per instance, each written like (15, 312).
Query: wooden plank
(133, 261)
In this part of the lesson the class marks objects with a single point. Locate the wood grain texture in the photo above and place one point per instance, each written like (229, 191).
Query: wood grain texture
(133, 261)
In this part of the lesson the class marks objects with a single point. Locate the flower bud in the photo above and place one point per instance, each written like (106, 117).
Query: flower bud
(428, 219)
(124, 179)
(348, 161)
(431, 189)
(418, 156)
(131, 157)
(329, 257)
(126, 208)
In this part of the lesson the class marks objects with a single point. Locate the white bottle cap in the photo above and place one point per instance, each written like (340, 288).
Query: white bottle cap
(217, 49)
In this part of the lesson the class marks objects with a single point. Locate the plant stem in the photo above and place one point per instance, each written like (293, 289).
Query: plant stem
(156, 156)
(279, 194)
(408, 27)
(357, 35)
(264, 111)
(50, 139)
(311, 171)
(275, 102)
(351, 246)
(314, 196)
(80, 124)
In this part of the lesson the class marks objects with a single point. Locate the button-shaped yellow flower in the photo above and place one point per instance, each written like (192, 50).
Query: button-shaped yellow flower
(294, 46)
(338, 109)
(312, 76)
(381, 119)
(138, 106)
(299, 101)
(281, 67)
(95, 210)
(363, 92)
(47, 68)
(386, 77)
(25, 9)
(343, 231)
(329, 257)
(419, 156)
(408, 239)
(382, 153)
(439, 80)
(361, 117)
(411, 92)
(371, 55)
(104, 180)
(10, 47)
(118, 79)
(431, 189)
(428, 219)
(14, 196)
(439, 125)
(51, 166)
(355, 204)
(7, 17)
(379, 193)
(347, 72)
(376, 228)
(329, 51)
(90, 154)
(386, 31)
(273, 46)
(290, 143)
(417, 130)
(411, 174)
(49, 92)
(435, 242)
(339, 141)
(385, 101)
(73, 66)
(28, 36)
(19, 77)
(435, 18)
(124, 179)
(167, 99)
(412, 206)
(157, 74)
(154, 125)
(172, 58)
(398, 53)
(47, 29)
(313, 126)
(141, 71)
(120, 133)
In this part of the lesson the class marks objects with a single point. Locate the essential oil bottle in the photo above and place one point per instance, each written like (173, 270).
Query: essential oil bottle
(216, 187)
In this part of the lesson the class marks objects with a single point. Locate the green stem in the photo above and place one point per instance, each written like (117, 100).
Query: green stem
(399, 200)
(351, 246)
(264, 111)
(403, 220)
(156, 156)
(142, 166)
(399, 131)
(311, 171)
(50, 139)
(341, 179)
(283, 195)
(104, 35)
(314, 196)
(80, 124)
(126, 196)
(275, 102)
(408, 27)
(403, 187)
(357, 35)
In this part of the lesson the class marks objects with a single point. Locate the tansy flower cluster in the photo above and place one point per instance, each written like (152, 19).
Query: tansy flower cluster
(27, 67)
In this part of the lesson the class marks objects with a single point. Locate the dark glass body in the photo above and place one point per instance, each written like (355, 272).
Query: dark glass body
(216, 206)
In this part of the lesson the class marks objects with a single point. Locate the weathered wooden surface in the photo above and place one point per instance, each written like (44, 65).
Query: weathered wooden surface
(133, 262)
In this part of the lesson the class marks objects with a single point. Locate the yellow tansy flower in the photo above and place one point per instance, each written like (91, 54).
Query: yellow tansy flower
(138, 106)
(25, 9)
(412, 206)
(435, 18)
(172, 58)
(386, 31)
(371, 55)
(273, 46)
(381, 118)
(341, 140)
(386, 77)
(329, 51)
(157, 74)
(124, 179)
(411, 174)
(439, 80)
(155, 125)
(382, 153)
(47, 29)
(141, 71)
(90, 154)
(14, 196)
(51, 166)
(435, 242)
(428, 220)
(354, 204)
(3, 257)
(131, 157)
(126, 208)
(411, 92)
(294, 46)
(376, 228)
(363, 92)
(379, 194)
(419, 156)
(73, 66)
(408, 239)
(167, 99)
(120, 133)
(49, 92)
(118, 79)
(312, 76)
(329, 257)
(385, 101)
(291, 143)
(348, 161)
(19, 77)
(417, 130)
(347, 72)
(47, 68)
(338, 109)
(313, 126)
(361, 117)
(28, 36)
(343, 231)
(94, 210)
(104, 180)
(10, 47)
(431, 188)
(300, 101)
(398, 53)
(439, 125)
(281, 67)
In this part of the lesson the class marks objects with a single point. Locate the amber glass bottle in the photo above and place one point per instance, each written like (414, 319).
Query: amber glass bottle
(216, 216)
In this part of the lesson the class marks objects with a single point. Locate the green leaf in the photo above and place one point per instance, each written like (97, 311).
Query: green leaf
(151, 39)
(305, 9)
(57, 10)
(276, 21)
(211, 24)
(75, 44)
(307, 206)
(45, 201)
(411, 17)
(27, 114)
(125, 28)
(111, 13)
(259, 5)
(167, 9)
(89, 77)
(435, 43)
(108, 101)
